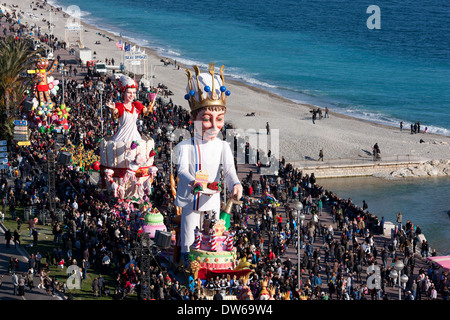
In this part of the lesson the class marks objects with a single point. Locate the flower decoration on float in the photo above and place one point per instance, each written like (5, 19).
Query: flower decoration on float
(80, 157)
(63, 112)
(53, 85)
(206, 89)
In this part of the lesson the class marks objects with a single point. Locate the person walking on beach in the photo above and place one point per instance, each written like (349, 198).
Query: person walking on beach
(320, 155)
(376, 152)
(326, 113)
(401, 125)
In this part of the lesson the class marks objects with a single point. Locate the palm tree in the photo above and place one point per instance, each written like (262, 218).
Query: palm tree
(16, 57)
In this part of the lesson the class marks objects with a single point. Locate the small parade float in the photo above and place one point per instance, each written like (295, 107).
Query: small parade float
(153, 222)
(38, 107)
(213, 253)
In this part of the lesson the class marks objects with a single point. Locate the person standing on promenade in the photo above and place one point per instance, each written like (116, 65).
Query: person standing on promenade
(31, 225)
(8, 237)
(95, 287)
(22, 284)
(16, 238)
(425, 248)
(382, 226)
(30, 279)
(15, 282)
(101, 284)
(399, 220)
(267, 128)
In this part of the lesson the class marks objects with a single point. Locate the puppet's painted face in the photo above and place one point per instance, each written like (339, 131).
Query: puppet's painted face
(42, 63)
(211, 123)
(130, 95)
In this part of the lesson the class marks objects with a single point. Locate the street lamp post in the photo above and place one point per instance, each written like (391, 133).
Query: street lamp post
(300, 218)
(396, 273)
(62, 74)
(100, 88)
(171, 138)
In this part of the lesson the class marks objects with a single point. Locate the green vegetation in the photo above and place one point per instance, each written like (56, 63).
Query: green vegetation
(16, 57)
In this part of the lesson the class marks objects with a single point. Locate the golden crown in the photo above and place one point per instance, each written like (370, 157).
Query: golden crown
(208, 83)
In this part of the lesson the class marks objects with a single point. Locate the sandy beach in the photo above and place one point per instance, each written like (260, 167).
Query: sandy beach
(340, 136)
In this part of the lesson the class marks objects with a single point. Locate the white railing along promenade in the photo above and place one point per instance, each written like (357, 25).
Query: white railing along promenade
(355, 161)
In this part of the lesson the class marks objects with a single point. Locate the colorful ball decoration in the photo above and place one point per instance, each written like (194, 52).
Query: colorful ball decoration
(96, 166)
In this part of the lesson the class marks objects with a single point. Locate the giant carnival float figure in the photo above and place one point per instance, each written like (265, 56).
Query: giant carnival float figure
(205, 242)
(41, 86)
(126, 159)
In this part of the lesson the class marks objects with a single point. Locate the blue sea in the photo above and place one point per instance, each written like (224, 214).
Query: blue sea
(318, 52)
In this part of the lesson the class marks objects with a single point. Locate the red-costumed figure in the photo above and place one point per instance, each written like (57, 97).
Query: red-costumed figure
(128, 154)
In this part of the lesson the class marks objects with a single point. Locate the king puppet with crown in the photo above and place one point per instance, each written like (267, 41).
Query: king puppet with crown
(126, 159)
(200, 160)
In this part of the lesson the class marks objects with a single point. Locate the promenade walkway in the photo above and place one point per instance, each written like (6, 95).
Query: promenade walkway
(326, 219)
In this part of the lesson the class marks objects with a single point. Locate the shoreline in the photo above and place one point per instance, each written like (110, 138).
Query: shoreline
(342, 136)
